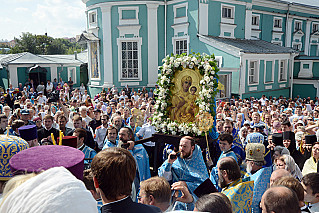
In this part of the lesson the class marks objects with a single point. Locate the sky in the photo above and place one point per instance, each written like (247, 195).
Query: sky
(59, 18)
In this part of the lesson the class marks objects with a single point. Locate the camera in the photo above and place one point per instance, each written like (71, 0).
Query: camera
(53, 96)
(174, 156)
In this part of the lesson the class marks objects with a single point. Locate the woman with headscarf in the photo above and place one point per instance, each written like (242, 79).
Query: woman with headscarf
(290, 143)
(311, 165)
(287, 162)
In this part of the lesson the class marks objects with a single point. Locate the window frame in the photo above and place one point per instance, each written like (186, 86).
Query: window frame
(178, 20)
(257, 18)
(90, 23)
(284, 61)
(181, 40)
(297, 23)
(139, 59)
(74, 74)
(313, 24)
(128, 21)
(255, 75)
(274, 23)
(228, 20)
(298, 45)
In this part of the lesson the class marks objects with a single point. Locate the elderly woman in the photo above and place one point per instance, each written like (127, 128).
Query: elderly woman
(279, 151)
(243, 134)
(288, 163)
(312, 163)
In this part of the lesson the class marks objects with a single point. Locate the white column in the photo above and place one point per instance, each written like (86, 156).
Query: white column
(307, 38)
(203, 17)
(242, 74)
(54, 72)
(13, 72)
(288, 32)
(152, 44)
(248, 18)
(107, 46)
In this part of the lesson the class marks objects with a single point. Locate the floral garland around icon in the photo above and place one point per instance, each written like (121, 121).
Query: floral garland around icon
(207, 67)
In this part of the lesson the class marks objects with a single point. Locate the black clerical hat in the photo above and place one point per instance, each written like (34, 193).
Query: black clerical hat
(310, 139)
(277, 139)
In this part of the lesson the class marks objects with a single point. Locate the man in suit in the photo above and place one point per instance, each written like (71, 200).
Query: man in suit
(44, 134)
(77, 123)
(113, 172)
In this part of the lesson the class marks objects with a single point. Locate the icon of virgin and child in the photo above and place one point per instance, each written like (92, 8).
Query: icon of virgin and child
(184, 94)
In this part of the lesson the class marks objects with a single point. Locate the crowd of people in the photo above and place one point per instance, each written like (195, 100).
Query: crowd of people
(262, 155)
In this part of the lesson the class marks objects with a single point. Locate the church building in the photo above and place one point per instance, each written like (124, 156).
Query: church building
(266, 47)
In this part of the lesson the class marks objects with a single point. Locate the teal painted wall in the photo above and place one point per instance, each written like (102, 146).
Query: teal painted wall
(313, 50)
(94, 90)
(144, 48)
(240, 12)
(315, 69)
(22, 77)
(269, 71)
(296, 69)
(285, 92)
(266, 26)
(266, 66)
(3, 78)
(214, 18)
(128, 14)
(304, 90)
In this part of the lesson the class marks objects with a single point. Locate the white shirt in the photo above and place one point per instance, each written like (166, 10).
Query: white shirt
(87, 120)
(49, 86)
(84, 97)
(147, 131)
(314, 208)
(100, 133)
(42, 99)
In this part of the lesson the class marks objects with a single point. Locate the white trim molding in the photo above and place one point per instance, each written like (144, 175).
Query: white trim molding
(203, 18)
(152, 44)
(139, 49)
(107, 46)
(128, 21)
(73, 75)
(92, 19)
(272, 71)
(178, 20)
(305, 72)
(174, 39)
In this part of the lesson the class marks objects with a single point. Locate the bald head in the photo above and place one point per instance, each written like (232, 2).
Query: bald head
(280, 199)
(277, 174)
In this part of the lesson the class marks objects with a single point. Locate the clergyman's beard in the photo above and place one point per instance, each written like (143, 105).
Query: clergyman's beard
(221, 182)
(186, 155)
(249, 168)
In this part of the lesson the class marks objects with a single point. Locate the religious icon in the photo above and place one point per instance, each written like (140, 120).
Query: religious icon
(184, 94)
(94, 61)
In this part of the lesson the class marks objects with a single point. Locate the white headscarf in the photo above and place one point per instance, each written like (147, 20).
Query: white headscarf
(55, 190)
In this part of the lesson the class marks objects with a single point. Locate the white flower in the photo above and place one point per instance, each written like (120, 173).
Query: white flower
(173, 133)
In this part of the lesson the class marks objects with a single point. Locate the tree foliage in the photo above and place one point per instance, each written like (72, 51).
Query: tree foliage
(44, 45)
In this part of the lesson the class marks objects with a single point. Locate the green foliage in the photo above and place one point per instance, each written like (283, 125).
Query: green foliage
(44, 45)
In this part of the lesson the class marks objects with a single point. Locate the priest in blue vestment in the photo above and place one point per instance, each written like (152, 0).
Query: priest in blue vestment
(111, 138)
(187, 165)
(225, 145)
(257, 172)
